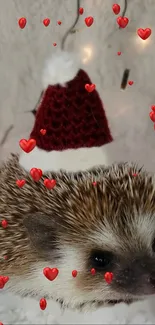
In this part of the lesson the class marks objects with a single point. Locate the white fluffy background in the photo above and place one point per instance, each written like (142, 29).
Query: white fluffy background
(22, 54)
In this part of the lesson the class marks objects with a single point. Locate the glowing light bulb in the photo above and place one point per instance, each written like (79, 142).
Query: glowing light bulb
(87, 54)
(142, 44)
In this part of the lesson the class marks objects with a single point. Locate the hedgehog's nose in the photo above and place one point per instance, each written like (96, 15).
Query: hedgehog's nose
(137, 278)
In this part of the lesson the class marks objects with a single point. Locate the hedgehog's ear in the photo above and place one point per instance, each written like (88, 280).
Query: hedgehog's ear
(42, 231)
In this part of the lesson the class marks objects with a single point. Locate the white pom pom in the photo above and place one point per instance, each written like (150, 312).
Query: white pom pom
(60, 68)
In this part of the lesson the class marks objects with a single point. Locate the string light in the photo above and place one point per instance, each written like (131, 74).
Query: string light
(142, 44)
(87, 54)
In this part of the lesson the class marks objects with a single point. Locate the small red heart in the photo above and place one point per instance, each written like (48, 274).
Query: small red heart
(74, 273)
(43, 303)
(59, 22)
(152, 116)
(36, 174)
(22, 22)
(144, 33)
(89, 21)
(2, 284)
(49, 183)
(153, 108)
(116, 8)
(50, 274)
(94, 183)
(122, 21)
(54, 44)
(43, 131)
(108, 276)
(90, 88)
(20, 182)
(93, 271)
(46, 22)
(3, 281)
(27, 145)
(81, 10)
(134, 175)
(119, 53)
(4, 223)
(130, 82)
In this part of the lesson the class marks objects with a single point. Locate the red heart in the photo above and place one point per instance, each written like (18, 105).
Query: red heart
(59, 22)
(90, 88)
(5, 278)
(49, 183)
(116, 9)
(153, 108)
(130, 82)
(43, 131)
(152, 116)
(74, 273)
(43, 303)
(144, 33)
(122, 21)
(4, 223)
(108, 277)
(81, 11)
(119, 53)
(54, 44)
(89, 21)
(22, 22)
(93, 271)
(3, 281)
(46, 22)
(20, 182)
(134, 175)
(27, 145)
(94, 183)
(2, 284)
(50, 274)
(36, 174)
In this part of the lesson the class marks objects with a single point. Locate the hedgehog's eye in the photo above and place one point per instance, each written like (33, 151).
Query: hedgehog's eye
(101, 259)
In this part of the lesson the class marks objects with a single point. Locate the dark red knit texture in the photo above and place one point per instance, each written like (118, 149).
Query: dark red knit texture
(72, 117)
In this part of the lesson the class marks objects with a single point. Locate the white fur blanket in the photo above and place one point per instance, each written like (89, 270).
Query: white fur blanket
(13, 310)
(22, 54)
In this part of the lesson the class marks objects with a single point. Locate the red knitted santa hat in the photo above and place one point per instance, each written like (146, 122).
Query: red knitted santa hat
(73, 120)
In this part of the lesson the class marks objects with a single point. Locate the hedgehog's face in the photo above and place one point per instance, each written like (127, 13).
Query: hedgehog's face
(109, 227)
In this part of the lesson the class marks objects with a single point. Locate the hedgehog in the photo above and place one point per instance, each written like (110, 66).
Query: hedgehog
(103, 218)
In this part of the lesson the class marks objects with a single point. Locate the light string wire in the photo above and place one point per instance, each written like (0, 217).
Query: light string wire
(126, 71)
(125, 7)
(71, 30)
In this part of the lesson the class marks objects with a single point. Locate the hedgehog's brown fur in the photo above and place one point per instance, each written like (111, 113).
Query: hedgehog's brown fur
(78, 209)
